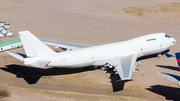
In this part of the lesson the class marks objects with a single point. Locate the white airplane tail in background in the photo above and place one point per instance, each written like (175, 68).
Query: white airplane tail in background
(33, 46)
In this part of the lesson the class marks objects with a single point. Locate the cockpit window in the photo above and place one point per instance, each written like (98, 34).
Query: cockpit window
(167, 36)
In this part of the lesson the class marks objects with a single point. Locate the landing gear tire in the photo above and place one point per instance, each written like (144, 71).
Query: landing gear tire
(102, 68)
(159, 56)
(135, 71)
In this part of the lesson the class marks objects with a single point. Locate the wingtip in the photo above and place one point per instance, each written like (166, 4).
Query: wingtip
(160, 73)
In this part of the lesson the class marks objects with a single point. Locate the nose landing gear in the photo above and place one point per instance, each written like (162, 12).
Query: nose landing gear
(159, 56)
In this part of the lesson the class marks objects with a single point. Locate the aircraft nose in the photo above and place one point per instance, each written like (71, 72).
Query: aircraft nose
(173, 41)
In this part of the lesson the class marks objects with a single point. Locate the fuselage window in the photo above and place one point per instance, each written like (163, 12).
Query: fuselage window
(151, 39)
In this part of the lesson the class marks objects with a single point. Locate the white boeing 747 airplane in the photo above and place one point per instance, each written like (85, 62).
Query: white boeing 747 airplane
(120, 56)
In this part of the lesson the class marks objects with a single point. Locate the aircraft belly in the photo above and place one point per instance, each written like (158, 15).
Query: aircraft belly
(71, 65)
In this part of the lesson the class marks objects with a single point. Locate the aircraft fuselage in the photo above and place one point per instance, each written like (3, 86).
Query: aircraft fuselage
(98, 55)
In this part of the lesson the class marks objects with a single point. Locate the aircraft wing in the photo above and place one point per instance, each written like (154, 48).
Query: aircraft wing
(66, 45)
(124, 65)
(171, 77)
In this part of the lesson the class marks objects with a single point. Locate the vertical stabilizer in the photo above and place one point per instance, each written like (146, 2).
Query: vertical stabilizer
(33, 46)
(178, 59)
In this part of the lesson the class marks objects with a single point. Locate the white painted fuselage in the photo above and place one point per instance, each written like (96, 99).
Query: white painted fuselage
(97, 55)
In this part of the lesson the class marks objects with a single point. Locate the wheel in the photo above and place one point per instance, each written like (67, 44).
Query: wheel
(159, 56)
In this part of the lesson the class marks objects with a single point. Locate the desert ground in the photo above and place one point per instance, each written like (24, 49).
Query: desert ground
(92, 22)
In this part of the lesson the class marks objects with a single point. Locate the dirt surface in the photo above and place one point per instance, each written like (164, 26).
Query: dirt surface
(92, 22)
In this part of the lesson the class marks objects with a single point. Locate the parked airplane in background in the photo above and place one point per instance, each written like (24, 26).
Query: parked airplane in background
(178, 59)
(10, 45)
(171, 77)
(120, 56)
(173, 57)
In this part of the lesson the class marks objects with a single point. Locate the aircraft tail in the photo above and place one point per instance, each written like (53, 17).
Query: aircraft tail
(33, 46)
(178, 59)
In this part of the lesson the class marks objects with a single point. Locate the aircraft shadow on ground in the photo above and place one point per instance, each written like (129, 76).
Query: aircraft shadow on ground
(169, 67)
(170, 93)
(32, 74)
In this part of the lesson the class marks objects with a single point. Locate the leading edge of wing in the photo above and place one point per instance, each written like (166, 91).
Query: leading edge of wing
(171, 77)
(67, 45)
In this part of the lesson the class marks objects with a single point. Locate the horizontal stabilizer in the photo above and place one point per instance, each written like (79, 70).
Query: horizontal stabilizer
(171, 77)
(18, 56)
(170, 56)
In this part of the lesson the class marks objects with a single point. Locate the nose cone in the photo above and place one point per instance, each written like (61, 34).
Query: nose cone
(173, 41)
